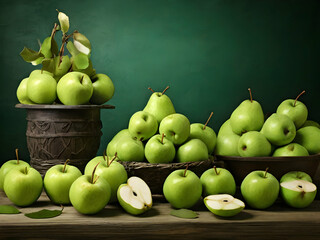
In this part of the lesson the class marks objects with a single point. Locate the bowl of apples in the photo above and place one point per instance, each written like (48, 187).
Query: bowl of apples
(285, 141)
(63, 100)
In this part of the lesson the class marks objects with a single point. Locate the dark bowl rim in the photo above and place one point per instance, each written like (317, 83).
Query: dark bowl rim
(61, 106)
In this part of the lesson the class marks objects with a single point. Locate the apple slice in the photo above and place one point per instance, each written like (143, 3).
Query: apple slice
(135, 196)
(298, 193)
(223, 205)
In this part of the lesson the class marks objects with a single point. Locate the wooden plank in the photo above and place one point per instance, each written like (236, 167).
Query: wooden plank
(278, 222)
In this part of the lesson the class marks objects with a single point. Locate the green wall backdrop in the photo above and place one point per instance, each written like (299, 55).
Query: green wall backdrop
(208, 51)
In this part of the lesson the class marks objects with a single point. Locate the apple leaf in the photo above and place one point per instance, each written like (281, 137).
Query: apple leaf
(44, 213)
(64, 22)
(54, 47)
(48, 65)
(7, 209)
(72, 49)
(82, 43)
(81, 61)
(184, 213)
(30, 55)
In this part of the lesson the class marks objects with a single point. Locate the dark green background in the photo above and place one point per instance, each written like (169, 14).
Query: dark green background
(208, 52)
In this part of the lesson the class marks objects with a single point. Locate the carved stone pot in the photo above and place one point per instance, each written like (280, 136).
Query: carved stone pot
(56, 133)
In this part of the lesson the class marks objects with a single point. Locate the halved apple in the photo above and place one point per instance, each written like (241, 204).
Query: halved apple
(223, 205)
(298, 193)
(135, 196)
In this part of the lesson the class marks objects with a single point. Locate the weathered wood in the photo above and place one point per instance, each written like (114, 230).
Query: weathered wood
(278, 222)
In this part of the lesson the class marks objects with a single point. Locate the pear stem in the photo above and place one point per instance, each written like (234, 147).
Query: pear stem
(114, 158)
(151, 89)
(249, 89)
(65, 165)
(295, 101)
(215, 169)
(165, 90)
(185, 171)
(265, 173)
(93, 172)
(17, 155)
(205, 125)
(162, 138)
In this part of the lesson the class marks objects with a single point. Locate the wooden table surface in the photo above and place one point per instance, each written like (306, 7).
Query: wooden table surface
(278, 222)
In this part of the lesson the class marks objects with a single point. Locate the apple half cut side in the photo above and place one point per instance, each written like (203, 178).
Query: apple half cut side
(223, 205)
(135, 196)
(298, 193)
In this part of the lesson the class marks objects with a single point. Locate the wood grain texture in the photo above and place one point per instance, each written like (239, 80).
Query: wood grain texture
(278, 222)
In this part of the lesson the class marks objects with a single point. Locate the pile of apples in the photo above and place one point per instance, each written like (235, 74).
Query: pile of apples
(285, 133)
(63, 79)
(160, 135)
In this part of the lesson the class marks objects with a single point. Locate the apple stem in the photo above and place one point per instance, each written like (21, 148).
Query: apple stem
(81, 79)
(249, 89)
(65, 165)
(17, 155)
(185, 171)
(62, 207)
(162, 138)
(295, 101)
(215, 169)
(205, 125)
(265, 173)
(26, 170)
(151, 89)
(93, 172)
(165, 90)
(104, 156)
(115, 156)
(54, 30)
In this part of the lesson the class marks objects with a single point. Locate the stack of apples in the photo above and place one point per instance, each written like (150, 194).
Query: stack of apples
(63, 79)
(160, 135)
(285, 133)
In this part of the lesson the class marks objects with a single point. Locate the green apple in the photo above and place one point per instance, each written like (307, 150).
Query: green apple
(204, 133)
(103, 89)
(310, 123)
(61, 68)
(193, 150)
(248, 116)
(279, 129)
(260, 189)
(159, 105)
(292, 149)
(295, 175)
(176, 127)
(159, 149)
(9, 165)
(89, 194)
(23, 186)
(41, 87)
(112, 171)
(58, 180)
(254, 144)
(227, 141)
(309, 137)
(74, 88)
(112, 145)
(295, 110)
(217, 181)
(142, 125)
(223, 205)
(135, 196)
(298, 193)
(130, 149)
(182, 188)
(22, 94)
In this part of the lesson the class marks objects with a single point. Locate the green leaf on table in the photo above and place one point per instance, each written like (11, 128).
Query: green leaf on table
(44, 213)
(30, 55)
(81, 61)
(7, 209)
(184, 213)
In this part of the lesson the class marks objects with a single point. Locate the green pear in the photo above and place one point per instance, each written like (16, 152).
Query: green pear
(227, 141)
(248, 116)
(254, 144)
(159, 105)
(279, 129)
(22, 92)
(112, 145)
(309, 137)
(292, 149)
